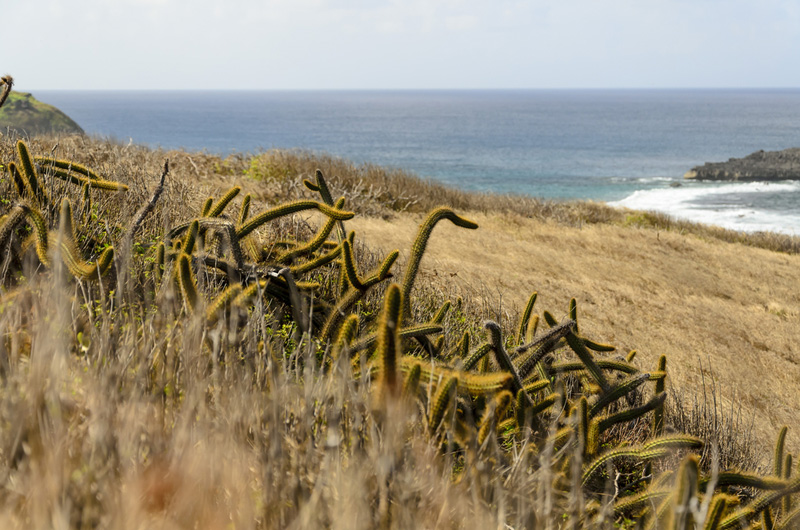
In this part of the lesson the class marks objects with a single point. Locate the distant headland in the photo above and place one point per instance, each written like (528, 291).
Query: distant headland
(27, 115)
(759, 166)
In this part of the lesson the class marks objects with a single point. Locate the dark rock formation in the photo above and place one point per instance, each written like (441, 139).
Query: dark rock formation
(25, 114)
(761, 165)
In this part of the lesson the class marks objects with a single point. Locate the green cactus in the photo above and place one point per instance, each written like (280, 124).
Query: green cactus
(441, 402)
(34, 184)
(502, 358)
(100, 184)
(187, 282)
(525, 320)
(389, 346)
(315, 243)
(418, 248)
(222, 302)
(206, 207)
(68, 166)
(287, 209)
(658, 413)
(219, 207)
(347, 334)
(70, 254)
(495, 410)
(620, 390)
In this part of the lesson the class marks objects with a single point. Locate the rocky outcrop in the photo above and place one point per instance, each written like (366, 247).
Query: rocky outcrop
(761, 165)
(28, 116)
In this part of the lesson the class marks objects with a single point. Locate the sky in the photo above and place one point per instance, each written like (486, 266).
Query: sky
(399, 44)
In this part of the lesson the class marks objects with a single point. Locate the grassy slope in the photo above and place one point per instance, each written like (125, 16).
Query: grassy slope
(23, 112)
(717, 302)
(729, 309)
(215, 449)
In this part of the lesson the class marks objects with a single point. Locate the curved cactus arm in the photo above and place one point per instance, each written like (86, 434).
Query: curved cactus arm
(746, 479)
(490, 419)
(67, 165)
(445, 393)
(405, 333)
(21, 185)
(319, 239)
(503, 359)
(471, 383)
(228, 231)
(780, 444)
(217, 209)
(438, 318)
(475, 357)
(288, 209)
(641, 500)
(222, 302)
(187, 282)
(29, 172)
(526, 317)
(70, 254)
(541, 347)
(577, 346)
(321, 187)
(607, 422)
(10, 223)
(99, 184)
(316, 262)
(389, 347)
(755, 507)
(620, 390)
(347, 334)
(421, 242)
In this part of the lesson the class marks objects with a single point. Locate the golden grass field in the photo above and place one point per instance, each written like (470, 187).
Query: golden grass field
(123, 405)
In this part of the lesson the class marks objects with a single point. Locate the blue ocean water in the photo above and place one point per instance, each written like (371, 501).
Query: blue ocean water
(626, 147)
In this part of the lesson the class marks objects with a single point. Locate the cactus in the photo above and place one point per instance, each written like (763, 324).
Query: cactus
(316, 242)
(31, 177)
(421, 242)
(620, 390)
(494, 411)
(658, 413)
(206, 207)
(346, 336)
(389, 345)
(441, 402)
(187, 282)
(219, 207)
(70, 255)
(287, 209)
(525, 320)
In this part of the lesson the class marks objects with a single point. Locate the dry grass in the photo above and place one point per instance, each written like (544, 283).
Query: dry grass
(694, 300)
(137, 425)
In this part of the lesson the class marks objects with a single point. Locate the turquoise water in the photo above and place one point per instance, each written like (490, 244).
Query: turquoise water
(627, 147)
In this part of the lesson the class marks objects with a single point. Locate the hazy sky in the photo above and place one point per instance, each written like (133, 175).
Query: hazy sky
(363, 44)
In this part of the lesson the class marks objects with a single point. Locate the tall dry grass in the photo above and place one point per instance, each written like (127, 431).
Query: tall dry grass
(120, 409)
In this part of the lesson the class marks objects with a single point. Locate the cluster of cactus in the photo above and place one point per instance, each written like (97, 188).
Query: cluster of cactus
(550, 391)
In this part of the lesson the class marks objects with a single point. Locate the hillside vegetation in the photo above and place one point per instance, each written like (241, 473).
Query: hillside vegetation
(208, 344)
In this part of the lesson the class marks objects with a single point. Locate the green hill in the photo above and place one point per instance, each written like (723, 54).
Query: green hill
(25, 114)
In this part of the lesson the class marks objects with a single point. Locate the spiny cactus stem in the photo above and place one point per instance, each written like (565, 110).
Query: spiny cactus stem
(421, 242)
(220, 206)
(288, 209)
(503, 359)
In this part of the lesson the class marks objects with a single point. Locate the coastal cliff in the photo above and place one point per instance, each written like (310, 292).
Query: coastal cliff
(758, 166)
(27, 115)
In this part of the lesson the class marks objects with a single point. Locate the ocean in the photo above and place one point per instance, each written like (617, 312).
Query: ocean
(625, 147)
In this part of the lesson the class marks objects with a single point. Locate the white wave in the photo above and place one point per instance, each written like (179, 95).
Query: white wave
(695, 202)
